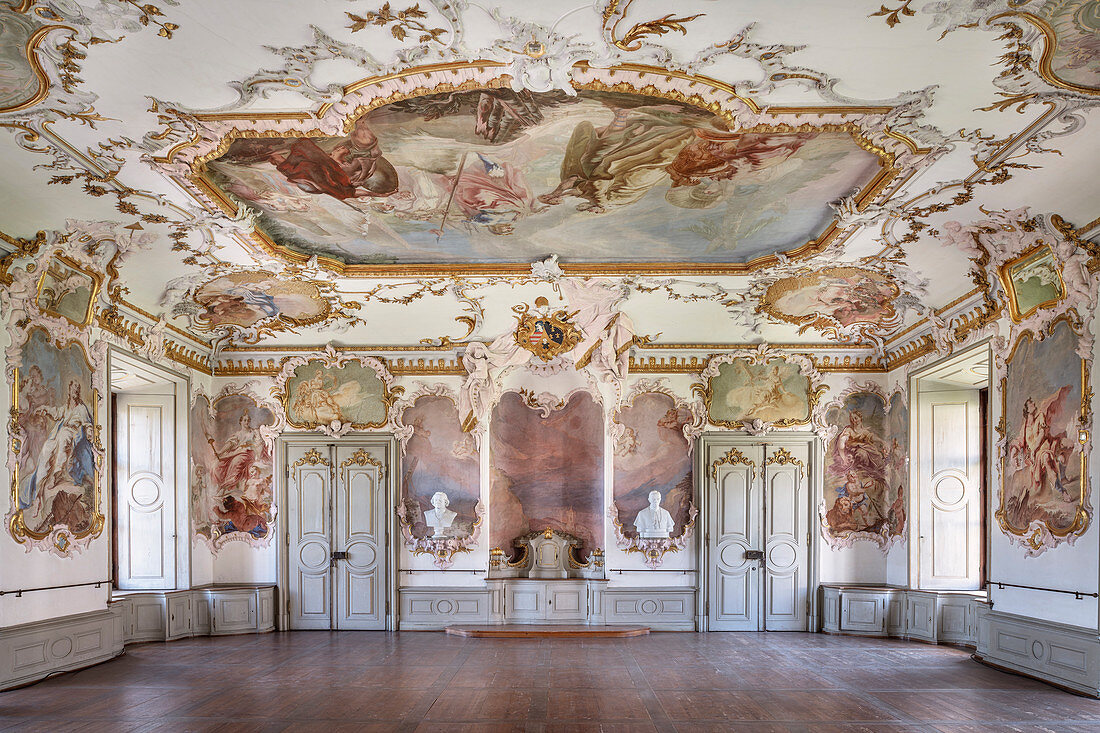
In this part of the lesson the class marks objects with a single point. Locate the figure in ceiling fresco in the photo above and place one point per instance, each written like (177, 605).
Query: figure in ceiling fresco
(1076, 24)
(846, 295)
(500, 176)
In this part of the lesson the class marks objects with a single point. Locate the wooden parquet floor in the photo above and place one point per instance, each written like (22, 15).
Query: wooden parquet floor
(362, 681)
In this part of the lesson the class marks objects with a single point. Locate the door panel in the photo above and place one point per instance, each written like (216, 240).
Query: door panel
(309, 536)
(758, 501)
(336, 535)
(734, 498)
(786, 496)
(145, 465)
(949, 476)
(360, 532)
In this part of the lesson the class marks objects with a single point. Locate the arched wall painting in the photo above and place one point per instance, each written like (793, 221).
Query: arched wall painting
(503, 176)
(437, 458)
(546, 471)
(1043, 498)
(57, 470)
(231, 485)
(864, 472)
(653, 454)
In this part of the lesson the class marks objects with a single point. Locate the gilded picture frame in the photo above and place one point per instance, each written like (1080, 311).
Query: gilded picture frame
(59, 291)
(1037, 262)
(1020, 460)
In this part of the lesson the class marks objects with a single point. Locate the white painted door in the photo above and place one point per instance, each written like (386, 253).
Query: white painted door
(336, 535)
(786, 537)
(361, 536)
(949, 480)
(145, 477)
(734, 502)
(309, 536)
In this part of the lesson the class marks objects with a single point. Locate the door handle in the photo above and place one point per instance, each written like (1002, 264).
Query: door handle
(754, 554)
(338, 556)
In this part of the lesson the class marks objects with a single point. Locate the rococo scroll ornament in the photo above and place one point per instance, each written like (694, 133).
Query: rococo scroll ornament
(56, 455)
(1045, 439)
(335, 392)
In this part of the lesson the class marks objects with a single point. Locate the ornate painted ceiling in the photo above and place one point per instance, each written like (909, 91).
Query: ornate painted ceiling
(401, 175)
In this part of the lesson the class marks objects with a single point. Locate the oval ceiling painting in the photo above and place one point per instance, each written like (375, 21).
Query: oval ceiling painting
(500, 176)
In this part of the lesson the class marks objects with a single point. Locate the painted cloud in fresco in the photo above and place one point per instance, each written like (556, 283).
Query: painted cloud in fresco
(653, 455)
(504, 176)
(546, 472)
(436, 459)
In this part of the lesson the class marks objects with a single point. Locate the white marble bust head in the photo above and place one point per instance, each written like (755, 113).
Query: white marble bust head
(439, 517)
(654, 522)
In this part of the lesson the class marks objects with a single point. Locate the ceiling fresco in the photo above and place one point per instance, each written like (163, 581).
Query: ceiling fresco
(727, 174)
(500, 176)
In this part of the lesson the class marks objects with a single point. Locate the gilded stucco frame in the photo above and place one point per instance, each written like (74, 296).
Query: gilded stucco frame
(96, 284)
(332, 359)
(1004, 274)
(815, 388)
(1035, 539)
(822, 321)
(60, 541)
(245, 126)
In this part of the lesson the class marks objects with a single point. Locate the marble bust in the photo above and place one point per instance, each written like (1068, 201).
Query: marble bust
(439, 518)
(654, 522)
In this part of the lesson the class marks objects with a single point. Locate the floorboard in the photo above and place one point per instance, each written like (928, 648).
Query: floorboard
(337, 682)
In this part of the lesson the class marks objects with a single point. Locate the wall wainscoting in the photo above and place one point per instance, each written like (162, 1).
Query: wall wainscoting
(30, 652)
(34, 651)
(522, 600)
(207, 611)
(1068, 656)
(937, 617)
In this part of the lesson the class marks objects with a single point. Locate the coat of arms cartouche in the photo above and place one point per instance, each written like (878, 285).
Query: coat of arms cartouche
(546, 334)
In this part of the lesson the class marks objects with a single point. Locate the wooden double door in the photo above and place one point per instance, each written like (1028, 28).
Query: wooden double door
(758, 533)
(337, 533)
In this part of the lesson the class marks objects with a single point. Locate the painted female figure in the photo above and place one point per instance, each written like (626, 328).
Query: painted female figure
(65, 465)
(237, 458)
(1041, 452)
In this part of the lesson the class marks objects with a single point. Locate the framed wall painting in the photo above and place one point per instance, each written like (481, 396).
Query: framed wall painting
(762, 389)
(55, 474)
(1045, 410)
(1032, 281)
(65, 290)
(336, 392)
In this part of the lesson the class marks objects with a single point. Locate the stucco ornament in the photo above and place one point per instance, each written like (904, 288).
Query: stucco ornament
(605, 337)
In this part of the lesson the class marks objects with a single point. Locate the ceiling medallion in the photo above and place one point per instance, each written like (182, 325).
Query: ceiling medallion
(545, 334)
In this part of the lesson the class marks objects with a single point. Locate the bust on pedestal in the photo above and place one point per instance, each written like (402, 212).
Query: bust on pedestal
(439, 518)
(654, 522)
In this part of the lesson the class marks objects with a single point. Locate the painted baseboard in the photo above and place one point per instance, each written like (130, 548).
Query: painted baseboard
(1067, 656)
(34, 651)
